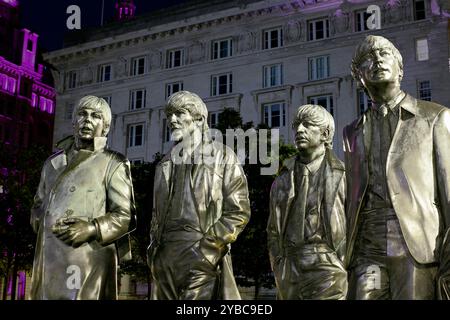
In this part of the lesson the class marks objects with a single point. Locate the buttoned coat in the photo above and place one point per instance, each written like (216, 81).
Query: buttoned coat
(89, 185)
(222, 203)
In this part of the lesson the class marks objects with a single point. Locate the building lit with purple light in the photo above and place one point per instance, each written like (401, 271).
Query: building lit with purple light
(27, 105)
(27, 97)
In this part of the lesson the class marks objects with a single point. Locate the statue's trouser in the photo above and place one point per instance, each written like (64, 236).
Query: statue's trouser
(313, 272)
(181, 272)
(382, 266)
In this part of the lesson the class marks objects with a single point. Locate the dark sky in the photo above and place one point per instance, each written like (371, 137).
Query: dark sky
(48, 17)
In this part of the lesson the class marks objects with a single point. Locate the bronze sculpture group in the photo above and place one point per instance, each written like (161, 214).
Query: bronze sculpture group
(332, 227)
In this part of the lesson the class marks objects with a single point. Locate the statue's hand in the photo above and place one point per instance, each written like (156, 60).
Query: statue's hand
(77, 232)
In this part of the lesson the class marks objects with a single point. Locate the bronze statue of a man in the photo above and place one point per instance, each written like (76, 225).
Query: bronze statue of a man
(82, 212)
(307, 228)
(397, 157)
(201, 205)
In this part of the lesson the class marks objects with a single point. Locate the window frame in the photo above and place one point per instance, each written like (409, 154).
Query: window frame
(215, 84)
(267, 40)
(313, 30)
(313, 68)
(170, 58)
(133, 99)
(267, 117)
(268, 76)
(135, 66)
(216, 53)
(132, 134)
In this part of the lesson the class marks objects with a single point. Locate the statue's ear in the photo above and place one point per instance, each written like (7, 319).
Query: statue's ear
(325, 135)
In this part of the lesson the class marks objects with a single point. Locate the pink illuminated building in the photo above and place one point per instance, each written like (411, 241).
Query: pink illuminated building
(27, 105)
(27, 98)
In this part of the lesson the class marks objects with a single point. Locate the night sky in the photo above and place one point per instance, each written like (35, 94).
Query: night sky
(48, 17)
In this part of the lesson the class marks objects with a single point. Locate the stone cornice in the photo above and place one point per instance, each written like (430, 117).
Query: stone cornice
(145, 35)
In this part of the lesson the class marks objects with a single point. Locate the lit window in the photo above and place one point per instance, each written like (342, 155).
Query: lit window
(422, 49)
(221, 84)
(171, 88)
(137, 99)
(175, 58)
(135, 135)
(424, 88)
(137, 66)
(319, 67)
(273, 75)
(325, 101)
(318, 29)
(222, 49)
(272, 38)
(104, 73)
(361, 18)
(275, 114)
(34, 99)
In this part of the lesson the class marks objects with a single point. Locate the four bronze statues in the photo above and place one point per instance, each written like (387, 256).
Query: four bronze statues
(376, 228)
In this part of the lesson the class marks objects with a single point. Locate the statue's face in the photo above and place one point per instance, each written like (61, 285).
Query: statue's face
(309, 136)
(379, 66)
(182, 124)
(89, 123)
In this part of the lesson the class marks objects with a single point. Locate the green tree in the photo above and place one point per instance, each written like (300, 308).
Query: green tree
(19, 178)
(250, 255)
(143, 176)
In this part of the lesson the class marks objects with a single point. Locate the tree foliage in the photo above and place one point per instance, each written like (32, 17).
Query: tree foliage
(19, 178)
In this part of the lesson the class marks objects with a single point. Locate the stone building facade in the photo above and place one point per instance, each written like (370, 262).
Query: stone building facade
(264, 58)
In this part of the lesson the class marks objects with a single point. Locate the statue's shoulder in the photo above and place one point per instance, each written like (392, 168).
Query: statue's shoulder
(115, 156)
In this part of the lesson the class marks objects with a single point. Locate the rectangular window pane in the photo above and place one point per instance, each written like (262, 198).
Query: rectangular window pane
(422, 49)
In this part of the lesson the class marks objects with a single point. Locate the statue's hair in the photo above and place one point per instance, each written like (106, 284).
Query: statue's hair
(369, 44)
(318, 116)
(97, 104)
(188, 101)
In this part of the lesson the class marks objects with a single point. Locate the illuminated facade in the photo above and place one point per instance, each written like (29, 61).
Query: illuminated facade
(263, 58)
(27, 101)
(27, 104)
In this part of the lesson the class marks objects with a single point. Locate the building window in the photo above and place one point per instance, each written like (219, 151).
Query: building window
(137, 66)
(213, 119)
(221, 84)
(325, 101)
(136, 162)
(318, 29)
(34, 99)
(275, 114)
(419, 10)
(319, 67)
(72, 79)
(137, 99)
(68, 111)
(272, 38)
(273, 75)
(171, 88)
(422, 49)
(222, 49)
(166, 131)
(364, 102)
(104, 73)
(108, 99)
(361, 18)
(424, 90)
(174, 58)
(135, 135)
